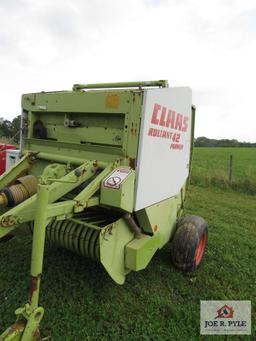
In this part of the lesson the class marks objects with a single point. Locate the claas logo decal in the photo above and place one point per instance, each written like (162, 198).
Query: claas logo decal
(176, 123)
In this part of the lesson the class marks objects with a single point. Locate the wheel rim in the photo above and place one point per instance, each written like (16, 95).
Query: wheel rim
(200, 249)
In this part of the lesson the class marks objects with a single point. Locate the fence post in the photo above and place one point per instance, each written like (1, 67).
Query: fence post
(230, 175)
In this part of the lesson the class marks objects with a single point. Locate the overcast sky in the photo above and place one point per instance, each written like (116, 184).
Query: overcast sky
(205, 44)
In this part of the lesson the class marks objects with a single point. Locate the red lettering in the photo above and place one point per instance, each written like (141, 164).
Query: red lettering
(176, 146)
(170, 119)
(178, 123)
(150, 131)
(154, 118)
(185, 123)
(162, 118)
(155, 132)
(168, 135)
(176, 137)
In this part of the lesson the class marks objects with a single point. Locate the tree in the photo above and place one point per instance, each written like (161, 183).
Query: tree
(10, 129)
(5, 128)
(15, 128)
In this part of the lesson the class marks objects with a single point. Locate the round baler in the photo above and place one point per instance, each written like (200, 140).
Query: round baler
(104, 172)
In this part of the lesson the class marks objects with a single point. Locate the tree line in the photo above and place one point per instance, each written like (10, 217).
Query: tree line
(205, 142)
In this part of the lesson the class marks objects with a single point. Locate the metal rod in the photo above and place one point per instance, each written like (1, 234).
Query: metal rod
(159, 83)
(134, 227)
(64, 159)
(38, 244)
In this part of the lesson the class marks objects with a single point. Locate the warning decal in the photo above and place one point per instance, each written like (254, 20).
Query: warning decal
(115, 179)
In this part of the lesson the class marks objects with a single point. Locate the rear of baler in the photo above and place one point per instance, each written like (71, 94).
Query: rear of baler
(104, 171)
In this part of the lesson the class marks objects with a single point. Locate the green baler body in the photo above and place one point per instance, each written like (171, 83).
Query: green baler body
(107, 119)
(101, 134)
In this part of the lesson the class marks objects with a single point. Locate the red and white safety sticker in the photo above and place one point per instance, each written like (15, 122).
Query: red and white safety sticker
(115, 179)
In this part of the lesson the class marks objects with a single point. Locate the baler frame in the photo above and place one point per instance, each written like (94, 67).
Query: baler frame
(72, 184)
(41, 209)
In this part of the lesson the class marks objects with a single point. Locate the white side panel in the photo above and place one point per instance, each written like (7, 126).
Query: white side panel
(164, 146)
(12, 156)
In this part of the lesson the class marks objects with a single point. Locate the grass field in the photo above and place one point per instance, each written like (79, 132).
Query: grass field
(211, 166)
(159, 303)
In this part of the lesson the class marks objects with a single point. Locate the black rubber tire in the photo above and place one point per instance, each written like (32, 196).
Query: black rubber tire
(191, 232)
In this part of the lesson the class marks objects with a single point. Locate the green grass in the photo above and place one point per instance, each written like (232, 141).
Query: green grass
(159, 303)
(211, 167)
